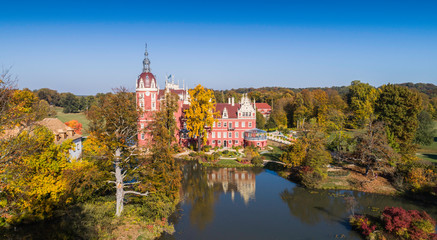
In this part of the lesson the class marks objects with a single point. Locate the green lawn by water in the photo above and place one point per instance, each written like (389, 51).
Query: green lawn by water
(429, 153)
(274, 154)
(80, 117)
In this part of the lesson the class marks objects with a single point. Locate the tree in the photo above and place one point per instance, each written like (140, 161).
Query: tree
(70, 103)
(425, 130)
(77, 126)
(361, 100)
(398, 107)
(35, 183)
(164, 123)
(200, 114)
(161, 170)
(373, 150)
(260, 120)
(320, 106)
(51, 96)
(113, 121)
(295, 153)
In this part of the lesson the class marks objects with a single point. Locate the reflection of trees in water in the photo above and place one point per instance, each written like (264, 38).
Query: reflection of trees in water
(312, 207)
(199, 195)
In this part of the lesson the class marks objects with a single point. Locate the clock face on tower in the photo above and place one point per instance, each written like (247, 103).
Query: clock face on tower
(147, 93)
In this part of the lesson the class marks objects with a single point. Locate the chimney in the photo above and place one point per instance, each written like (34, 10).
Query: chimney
(229, 100)
(232, 101)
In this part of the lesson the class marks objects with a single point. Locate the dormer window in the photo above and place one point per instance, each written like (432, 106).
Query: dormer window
(225, 113)
(141, 83)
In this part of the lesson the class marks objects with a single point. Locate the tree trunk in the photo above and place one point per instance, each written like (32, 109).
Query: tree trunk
(199, 143)
(118, 184)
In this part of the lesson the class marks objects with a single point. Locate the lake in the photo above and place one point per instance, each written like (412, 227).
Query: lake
(247, 203)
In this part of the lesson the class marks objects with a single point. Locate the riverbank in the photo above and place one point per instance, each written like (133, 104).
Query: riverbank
(352, 177)
(95, 219)
(349, 177)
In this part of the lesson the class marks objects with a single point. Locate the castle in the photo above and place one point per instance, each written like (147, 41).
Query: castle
(236, 125)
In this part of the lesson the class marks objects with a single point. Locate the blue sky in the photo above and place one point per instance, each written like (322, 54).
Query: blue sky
(85, 48)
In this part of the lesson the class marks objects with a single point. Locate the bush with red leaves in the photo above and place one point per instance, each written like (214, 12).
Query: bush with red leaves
(362, 224)
(409, 224)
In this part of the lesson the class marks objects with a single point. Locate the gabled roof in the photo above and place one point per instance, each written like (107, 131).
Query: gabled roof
(58, 127)
(232, 110)
(262, 106)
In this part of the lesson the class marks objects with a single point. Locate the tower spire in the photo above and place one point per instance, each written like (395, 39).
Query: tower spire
(146, 61)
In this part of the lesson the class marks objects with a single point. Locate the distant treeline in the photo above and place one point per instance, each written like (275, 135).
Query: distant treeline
(351, 105)
(68, 101)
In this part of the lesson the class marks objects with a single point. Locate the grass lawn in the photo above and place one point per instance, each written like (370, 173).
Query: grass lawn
(274, 154)
(429, 153)
(80, 117)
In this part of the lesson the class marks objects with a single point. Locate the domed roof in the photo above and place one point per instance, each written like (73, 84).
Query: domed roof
(146, 78)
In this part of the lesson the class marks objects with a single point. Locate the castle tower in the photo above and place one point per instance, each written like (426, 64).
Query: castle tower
(147, 99)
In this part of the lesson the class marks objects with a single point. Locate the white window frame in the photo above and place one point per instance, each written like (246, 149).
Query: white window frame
(219, 124)
(250, 124)
(243, 124)
(225, 124)
(236, 134)
(213, 134)
(229, 134)
(219, 135)
(236, 124)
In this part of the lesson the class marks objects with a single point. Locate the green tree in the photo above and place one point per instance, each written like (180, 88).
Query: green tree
(361, 100)
(49, 95)
(114, 123)
(425, 130)
(200, 114)
(271, 123)
(398, 107)
(160, 169)
(70, 103)
(260, 120)
(165, 118)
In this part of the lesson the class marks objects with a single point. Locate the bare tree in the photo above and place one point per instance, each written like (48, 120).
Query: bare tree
(114, 122)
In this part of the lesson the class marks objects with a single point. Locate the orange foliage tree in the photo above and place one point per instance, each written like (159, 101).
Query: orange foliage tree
(77, 126)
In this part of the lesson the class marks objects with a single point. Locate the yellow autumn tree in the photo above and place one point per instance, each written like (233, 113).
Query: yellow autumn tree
(34, 184)
(200, 115)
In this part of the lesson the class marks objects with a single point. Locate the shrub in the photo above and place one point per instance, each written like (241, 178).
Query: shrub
(362, 224)
(421, 179)
(257, 161)
(408, 224)
(309, 178)
(206, 148)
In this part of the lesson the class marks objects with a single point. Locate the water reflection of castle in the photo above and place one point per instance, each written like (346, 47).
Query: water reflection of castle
(233, 180)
